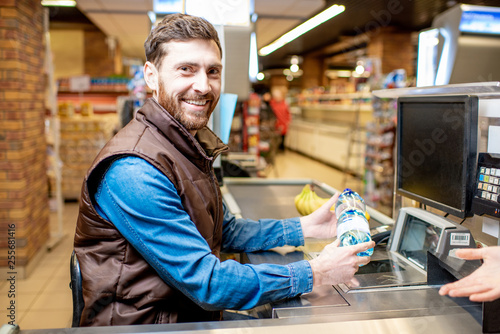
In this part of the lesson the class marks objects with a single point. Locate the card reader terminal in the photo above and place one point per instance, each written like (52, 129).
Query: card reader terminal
(486, 198)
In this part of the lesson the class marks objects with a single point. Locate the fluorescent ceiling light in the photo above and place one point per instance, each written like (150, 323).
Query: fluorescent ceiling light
(253, 67)
(60, 3)
(302, 29)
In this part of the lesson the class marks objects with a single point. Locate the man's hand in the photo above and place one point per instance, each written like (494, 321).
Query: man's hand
(482, 285)
(322, 223)
(336, 264)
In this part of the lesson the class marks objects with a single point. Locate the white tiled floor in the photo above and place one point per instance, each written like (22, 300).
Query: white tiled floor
(43, 300)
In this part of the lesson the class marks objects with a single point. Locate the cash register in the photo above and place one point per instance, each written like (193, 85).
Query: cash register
(437, 167)
(403, 262)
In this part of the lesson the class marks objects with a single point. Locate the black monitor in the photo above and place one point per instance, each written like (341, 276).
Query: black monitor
(437, 151)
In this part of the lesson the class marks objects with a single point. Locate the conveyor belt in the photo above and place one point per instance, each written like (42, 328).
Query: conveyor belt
(271, 201)
(257, 198)
(383, 312)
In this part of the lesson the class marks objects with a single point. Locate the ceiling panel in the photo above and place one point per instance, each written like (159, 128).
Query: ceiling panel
(84, 5)
(299, 8)
(268, 30)
(130, 29)
(276, 17)
(115, 5)
(127, 20)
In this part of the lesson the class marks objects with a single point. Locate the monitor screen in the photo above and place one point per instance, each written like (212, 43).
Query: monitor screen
(419, 236)
(437, 151)
(486, 21)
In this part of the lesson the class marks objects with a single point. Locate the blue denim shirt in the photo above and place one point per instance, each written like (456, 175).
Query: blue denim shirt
(144, 206)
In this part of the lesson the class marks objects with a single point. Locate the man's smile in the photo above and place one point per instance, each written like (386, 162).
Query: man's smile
(197, 102)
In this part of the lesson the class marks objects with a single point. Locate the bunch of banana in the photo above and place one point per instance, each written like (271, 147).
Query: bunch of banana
(308, 201)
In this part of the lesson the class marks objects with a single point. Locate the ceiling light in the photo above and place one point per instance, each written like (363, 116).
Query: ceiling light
(360, 69)
(253, 67)
(302, 29)
(60, 3)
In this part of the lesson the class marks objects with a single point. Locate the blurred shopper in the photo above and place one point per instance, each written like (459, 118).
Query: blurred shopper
(483, 285)
(266, 113)
(152, 223)
(282, 113)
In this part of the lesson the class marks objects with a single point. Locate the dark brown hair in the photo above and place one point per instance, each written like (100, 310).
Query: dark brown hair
(177, 27)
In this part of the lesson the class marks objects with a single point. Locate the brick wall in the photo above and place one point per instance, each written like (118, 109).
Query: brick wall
(99, 60)
(394, 48)
(313, 68)
(23, 176)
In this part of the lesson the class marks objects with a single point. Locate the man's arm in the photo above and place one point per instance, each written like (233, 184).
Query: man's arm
(144, 206)
(246, 235)
(249, 235)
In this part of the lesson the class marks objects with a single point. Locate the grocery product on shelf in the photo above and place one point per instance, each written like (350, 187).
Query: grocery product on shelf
(81, 139)
(379, 156)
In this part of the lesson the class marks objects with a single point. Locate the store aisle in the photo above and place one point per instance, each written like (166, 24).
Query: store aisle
(290, 164)
(44, 299)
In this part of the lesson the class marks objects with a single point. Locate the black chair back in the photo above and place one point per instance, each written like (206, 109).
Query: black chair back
(76, 290)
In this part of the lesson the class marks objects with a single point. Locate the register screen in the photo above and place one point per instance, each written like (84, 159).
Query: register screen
(418, 237)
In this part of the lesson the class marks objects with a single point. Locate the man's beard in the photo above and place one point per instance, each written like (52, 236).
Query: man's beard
(173, 106)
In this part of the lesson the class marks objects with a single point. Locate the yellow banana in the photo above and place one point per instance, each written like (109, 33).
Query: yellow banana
(317, 201)
(299, 196)
(306, 203)
(308, 200)
(313, 202)
(299, 199)
(300, 205)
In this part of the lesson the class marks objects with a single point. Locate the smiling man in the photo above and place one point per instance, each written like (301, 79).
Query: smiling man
(187, 82)
(152, 222)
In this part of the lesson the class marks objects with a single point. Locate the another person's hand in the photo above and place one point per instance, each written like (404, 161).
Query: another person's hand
(483, 284)
(336, 265)
(322, 223)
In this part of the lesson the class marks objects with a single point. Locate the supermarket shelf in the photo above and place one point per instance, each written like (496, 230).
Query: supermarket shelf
(340, 107)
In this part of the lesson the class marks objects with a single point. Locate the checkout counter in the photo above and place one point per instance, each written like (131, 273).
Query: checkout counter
(393, 295)
(393, 287)
(397, 291)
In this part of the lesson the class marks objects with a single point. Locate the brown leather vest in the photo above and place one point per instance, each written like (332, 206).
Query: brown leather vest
(119, 286)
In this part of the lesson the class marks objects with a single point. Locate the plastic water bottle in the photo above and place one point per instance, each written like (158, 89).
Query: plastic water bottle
(352, 226)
